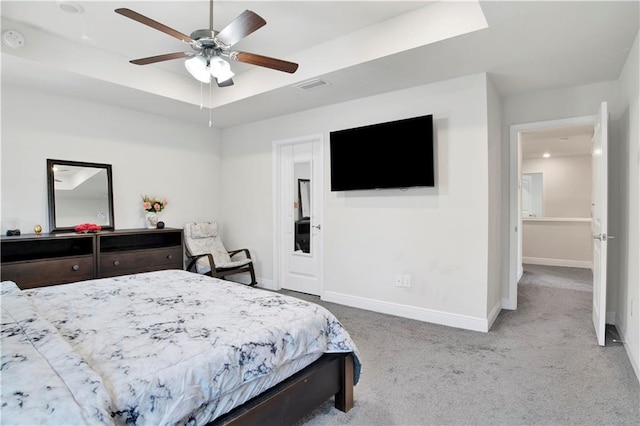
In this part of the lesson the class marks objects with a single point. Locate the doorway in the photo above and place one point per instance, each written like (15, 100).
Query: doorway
(515, 234)
(599, 124)
(298, 214)
(556, 193)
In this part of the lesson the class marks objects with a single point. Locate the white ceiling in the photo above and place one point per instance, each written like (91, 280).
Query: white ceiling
(360, 48)
(557, 142)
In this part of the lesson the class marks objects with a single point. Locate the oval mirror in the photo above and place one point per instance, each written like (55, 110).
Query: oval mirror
(79, 193)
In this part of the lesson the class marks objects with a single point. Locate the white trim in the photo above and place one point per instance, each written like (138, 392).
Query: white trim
(569, 263)
(557, 219)
(266, 284)
(275, 177)
(515, 216)
(493, 315)
(505, 303)
(421, 314)
(630, 355)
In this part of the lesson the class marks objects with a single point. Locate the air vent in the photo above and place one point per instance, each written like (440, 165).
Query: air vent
(311, 84)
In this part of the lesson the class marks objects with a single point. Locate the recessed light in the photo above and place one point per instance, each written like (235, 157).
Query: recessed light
(546, 155)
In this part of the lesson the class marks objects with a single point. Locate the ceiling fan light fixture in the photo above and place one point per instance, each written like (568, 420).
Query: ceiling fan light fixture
(197, 67)
(220, 69)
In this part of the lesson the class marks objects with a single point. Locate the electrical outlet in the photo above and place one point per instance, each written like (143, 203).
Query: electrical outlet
(398, 280)
(406, 280)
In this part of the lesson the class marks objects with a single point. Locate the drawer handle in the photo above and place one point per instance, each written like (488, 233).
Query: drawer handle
(116, 262)
(75, 267)
(169, 256)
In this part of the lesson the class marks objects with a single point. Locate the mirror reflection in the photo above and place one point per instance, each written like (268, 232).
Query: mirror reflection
(79, 193)
(531, 194)
(302, 197)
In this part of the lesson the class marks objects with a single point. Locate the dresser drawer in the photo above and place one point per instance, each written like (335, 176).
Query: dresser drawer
(41, 273)
(133, 261)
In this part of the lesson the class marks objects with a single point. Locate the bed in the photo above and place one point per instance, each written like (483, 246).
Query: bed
(168, 347)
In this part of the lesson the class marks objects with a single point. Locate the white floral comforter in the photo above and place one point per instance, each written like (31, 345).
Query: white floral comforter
(168, 347)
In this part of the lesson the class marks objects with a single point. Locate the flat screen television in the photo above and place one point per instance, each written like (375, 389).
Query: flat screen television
(395, 154)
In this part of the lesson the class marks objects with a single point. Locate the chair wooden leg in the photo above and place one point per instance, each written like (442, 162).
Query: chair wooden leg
(253, 277)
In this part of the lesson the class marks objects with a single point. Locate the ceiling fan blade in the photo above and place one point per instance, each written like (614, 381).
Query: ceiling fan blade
(225, 83)
(246, 23)
(154, 24)
(160, 58)
(265, 61)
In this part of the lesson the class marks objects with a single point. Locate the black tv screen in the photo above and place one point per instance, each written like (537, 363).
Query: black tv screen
(396, 154)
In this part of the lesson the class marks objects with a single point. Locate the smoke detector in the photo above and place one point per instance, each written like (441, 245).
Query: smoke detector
(13, 39)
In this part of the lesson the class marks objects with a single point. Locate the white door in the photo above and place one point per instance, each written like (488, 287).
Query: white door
(298, 262)
(599, 222)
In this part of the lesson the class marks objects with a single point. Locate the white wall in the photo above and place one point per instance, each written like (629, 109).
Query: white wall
(628, 311)
(566, 189)
(557, 242)
(149, 155)
(498, 249)
(438, 235)
(566, 184)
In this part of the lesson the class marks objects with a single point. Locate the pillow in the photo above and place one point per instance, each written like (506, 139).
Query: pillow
(204, 230)
(9, 287)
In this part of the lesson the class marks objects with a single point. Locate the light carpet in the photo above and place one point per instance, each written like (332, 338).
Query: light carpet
(538, 365)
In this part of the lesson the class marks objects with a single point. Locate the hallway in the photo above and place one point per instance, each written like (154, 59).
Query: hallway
(580, 279)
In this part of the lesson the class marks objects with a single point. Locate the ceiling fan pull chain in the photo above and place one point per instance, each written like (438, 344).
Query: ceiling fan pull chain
(201, 96)
(210, 103)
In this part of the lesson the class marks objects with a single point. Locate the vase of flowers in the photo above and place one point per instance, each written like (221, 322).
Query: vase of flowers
(152, 207)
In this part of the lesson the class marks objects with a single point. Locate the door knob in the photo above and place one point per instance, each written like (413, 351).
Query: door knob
(603, 237)
(317, 226)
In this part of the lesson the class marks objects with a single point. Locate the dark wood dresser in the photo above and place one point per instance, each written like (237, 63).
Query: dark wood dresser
(50, 259)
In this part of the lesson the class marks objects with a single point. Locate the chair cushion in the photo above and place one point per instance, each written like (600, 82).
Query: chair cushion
(219, 252)
(204, 230)
(203, 267)
(235, 263)
(202, 238)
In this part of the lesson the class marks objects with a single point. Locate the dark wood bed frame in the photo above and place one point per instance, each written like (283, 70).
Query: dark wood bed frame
(297, 396)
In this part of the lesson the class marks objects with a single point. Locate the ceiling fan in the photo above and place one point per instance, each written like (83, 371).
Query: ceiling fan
(210, 47)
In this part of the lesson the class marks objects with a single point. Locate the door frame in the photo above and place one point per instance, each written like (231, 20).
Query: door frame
(515, 202)
(318, 176)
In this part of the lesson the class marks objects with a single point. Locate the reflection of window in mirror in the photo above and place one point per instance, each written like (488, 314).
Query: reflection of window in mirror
(531, 195)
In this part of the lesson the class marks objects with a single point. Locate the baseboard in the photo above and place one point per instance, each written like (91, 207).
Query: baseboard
(261, 282)
(266, 284)
(412, 312)
(632, 360)
(507, 304)
(557, 262)
(493, 315)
